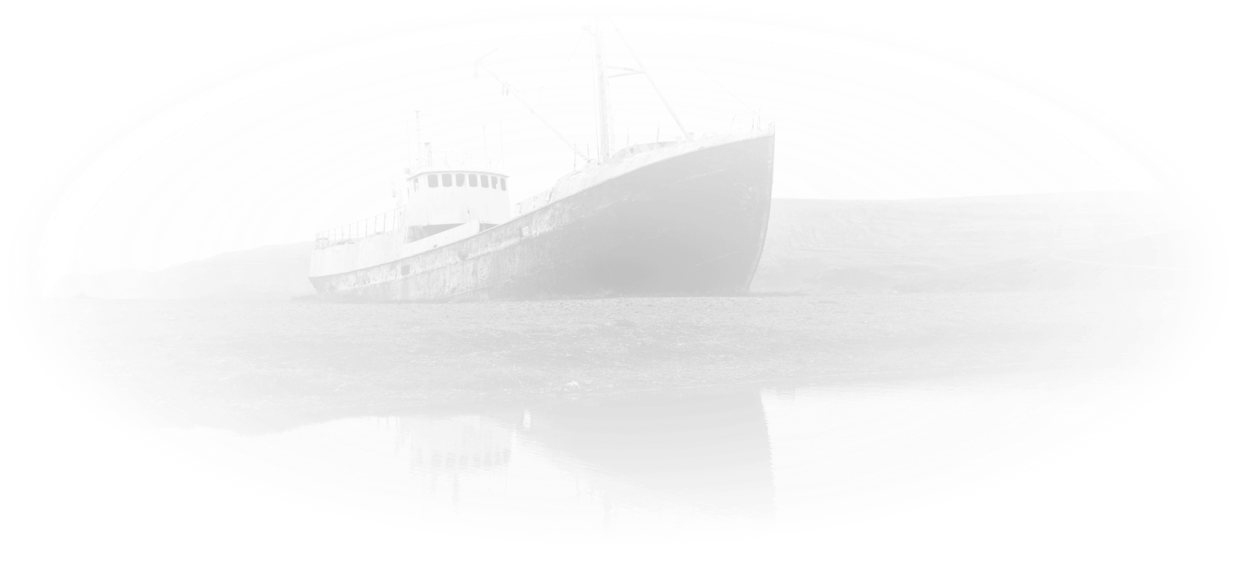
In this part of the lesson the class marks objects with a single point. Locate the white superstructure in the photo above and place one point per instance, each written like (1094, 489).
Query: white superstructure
(452, 197)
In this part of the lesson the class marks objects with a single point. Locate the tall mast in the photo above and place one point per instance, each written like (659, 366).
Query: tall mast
(419, 143)
(601, 83)
(407, 129)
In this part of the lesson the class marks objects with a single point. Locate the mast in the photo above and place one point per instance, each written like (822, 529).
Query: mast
(601, 90)
(603, 111)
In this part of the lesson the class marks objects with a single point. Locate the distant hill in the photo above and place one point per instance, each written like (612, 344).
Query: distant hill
(269, 272)
(1183, 248)
(1077, 270)
(116, 283)
(279, 271)
(250, 295)
(1003, 243)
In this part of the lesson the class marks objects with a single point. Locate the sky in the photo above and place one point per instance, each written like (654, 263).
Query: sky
(142, 135)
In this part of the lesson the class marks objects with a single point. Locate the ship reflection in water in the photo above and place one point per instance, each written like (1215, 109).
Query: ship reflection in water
(451, 447)
(708, 453)
(708, 465)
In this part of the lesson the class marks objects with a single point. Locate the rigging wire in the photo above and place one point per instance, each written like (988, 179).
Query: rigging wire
(692, 63)
(559, 75)
(512, 38)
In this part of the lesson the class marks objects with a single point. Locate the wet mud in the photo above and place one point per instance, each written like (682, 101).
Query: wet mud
(258, 366)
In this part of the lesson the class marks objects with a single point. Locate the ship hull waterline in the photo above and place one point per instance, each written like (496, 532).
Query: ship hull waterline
(692, 224)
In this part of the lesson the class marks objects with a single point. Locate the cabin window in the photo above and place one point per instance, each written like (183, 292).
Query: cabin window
(472, 180)
(432, 180)
(447, 180)
(502, 184)
(460, 179)
(483, 181)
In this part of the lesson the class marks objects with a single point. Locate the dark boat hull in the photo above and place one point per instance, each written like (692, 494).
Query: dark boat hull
(690, 224)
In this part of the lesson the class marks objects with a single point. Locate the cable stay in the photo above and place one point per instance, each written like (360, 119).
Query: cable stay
(693, 64)
(508, 89)
(506, 42)
(602, 76)
(642, 70)
(559, 75)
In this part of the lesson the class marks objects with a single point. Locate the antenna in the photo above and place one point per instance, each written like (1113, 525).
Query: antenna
(419, 145)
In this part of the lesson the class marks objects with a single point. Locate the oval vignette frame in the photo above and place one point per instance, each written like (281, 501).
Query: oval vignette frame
(117, 444)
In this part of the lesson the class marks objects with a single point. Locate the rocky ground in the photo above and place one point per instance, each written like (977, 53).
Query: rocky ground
(219, 362)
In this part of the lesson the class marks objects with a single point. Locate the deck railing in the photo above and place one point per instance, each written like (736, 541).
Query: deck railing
(362, 229)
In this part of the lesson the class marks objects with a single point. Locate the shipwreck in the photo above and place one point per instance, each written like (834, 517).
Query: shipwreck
(681, 217)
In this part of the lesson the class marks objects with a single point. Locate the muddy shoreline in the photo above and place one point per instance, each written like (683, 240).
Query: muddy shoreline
(224, 363)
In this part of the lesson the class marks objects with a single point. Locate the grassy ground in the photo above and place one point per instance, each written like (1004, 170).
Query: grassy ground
(204, 361)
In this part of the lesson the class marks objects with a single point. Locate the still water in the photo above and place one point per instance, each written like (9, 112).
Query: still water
(719, 463)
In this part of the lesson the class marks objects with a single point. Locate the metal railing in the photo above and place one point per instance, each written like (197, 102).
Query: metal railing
(362, 229)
